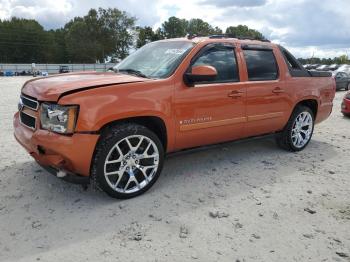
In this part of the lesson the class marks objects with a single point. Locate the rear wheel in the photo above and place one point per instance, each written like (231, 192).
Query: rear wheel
(128, 161)
(298, 132)
(348, 86)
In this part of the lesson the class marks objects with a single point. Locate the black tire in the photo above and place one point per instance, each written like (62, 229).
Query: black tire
(347, 87)
(109, 139)
(284, 139)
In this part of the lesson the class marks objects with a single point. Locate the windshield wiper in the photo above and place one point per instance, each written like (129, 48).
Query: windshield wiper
(133, 72)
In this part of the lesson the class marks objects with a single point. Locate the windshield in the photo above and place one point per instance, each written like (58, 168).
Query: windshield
(155, 60)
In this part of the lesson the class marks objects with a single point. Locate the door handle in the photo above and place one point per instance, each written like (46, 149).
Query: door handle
(235, 94)
(278, 90)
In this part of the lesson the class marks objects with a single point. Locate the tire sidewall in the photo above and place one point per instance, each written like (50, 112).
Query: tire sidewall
(296, 113)
(107, 141)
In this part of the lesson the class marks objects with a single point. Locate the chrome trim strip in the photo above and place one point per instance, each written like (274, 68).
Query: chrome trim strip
(34, 101)
(20, 120)
(231, 121)
(265, 116)
(217, 123)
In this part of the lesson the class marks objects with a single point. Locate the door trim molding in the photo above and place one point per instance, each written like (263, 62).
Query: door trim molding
(209, 124)
(265, 116)
(231, 121)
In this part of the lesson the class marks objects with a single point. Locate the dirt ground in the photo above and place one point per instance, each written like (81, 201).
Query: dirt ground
(241, 201)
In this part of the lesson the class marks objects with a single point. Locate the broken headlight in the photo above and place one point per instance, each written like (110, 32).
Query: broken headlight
(58, 118)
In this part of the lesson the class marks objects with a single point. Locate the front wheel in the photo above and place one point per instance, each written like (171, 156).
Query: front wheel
(128, 161)
(347, 87)
(298, 132)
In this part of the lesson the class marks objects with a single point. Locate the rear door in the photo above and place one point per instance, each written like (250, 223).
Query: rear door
(211, 112)
(267, 100)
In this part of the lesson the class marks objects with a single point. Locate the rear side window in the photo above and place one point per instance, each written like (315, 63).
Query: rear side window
(294, 67)
(261, 65)
(291, 62)
(223, 59)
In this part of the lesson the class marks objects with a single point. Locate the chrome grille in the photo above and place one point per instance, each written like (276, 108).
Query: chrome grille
(27, 120)
(29, 103)
(27, 115)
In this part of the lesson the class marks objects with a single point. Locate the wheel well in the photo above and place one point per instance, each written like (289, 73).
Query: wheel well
(310, 103)
(153, 123)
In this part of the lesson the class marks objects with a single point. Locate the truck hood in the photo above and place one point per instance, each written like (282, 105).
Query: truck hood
(53, 87)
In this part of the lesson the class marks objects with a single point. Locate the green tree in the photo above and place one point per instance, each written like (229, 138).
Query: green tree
(146, 35)
(81, 47)
(98, 35)
(199, 27)
(58, 51)
(175, 27)
(343, 59)
(244, 31)
(22, 40)
(217, 30)
(116, 32)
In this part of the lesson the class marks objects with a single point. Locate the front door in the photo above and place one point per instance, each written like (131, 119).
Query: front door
(211, 112)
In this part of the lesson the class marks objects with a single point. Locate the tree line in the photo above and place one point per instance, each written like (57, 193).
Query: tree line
(101, 34)
(343, 59)
(176, 27)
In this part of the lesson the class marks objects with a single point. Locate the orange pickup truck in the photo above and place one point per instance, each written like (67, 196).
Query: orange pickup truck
(114, 129)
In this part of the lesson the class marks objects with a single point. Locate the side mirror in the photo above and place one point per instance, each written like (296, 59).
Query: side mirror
(201, 73)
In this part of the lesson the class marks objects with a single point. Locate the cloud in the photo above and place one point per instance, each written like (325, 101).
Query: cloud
(50, 14)
(54, 14)
(235, 3)
(307, 26)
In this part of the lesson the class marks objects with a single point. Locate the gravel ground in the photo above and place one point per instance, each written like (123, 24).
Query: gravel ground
(241, 201)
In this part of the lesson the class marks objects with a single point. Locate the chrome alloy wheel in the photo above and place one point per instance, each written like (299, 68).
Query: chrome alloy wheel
(302, 129)
(131, 164)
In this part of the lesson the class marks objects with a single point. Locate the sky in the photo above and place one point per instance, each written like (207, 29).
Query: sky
(319, 28)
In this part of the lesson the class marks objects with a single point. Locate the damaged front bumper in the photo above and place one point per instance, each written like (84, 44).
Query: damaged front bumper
(68, 157)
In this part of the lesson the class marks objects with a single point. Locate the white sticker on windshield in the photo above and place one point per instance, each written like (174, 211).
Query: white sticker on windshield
(175, 51)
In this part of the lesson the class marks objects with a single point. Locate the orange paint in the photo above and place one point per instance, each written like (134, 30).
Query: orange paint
(195, 115)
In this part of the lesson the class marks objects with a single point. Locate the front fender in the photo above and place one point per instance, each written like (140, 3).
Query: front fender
(100, 106)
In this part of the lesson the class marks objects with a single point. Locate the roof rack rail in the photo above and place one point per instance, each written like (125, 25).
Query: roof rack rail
(218, 36)
(191, 36)
(238, 37)
(222, 36)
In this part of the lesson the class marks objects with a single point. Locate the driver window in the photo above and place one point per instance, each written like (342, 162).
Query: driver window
(223, 59)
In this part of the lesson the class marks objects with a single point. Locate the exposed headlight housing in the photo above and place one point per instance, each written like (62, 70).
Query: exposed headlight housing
(347, 96)
(58, 118)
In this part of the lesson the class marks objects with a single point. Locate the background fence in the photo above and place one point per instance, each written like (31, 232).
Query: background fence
(54, 68)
